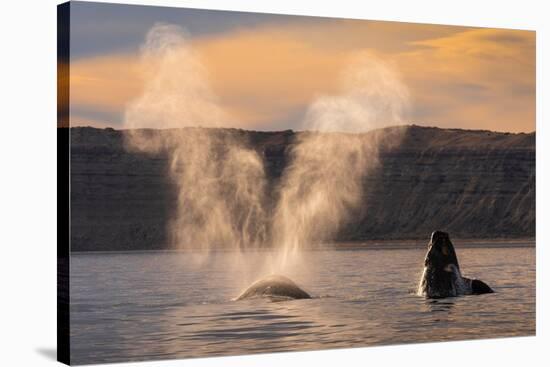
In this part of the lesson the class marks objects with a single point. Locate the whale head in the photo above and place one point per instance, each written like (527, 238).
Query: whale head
(441, 253)
(441, 269)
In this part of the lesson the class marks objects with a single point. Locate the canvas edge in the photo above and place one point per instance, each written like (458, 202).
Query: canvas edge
(63, 184)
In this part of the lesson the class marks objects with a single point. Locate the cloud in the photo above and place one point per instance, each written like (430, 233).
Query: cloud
(474, 79)
(103, 28)
(267, 75)
(104, 84)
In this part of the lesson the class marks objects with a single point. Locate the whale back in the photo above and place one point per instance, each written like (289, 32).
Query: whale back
(274, 286)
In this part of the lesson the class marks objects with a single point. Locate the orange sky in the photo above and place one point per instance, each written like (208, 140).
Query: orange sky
(267, 74)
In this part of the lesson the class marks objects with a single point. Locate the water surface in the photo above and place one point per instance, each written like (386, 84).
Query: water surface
(161, 305)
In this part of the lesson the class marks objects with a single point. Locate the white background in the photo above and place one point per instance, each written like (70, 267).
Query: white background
(28, 182)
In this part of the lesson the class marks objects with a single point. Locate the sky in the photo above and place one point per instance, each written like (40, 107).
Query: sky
(265, 70)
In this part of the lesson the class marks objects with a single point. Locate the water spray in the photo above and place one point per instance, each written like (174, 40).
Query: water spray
(221, 182)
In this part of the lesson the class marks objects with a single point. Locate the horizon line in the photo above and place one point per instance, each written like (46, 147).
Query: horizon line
(413, 125)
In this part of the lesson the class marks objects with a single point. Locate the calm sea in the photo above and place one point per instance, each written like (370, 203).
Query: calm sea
(162, 305)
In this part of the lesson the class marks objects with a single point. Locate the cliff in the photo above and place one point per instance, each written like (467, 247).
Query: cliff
(472, 184)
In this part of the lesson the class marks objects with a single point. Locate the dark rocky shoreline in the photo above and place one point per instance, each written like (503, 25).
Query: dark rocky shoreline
(473, 184)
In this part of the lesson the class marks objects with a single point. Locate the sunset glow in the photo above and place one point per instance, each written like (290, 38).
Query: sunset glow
(266, 69)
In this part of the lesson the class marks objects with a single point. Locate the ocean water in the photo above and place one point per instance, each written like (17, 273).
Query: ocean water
(164, 305)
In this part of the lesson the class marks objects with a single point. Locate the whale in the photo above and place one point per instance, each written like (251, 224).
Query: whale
(274, 287)
(441, 276)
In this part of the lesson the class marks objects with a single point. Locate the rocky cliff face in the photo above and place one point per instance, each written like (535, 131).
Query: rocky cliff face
(472, 184)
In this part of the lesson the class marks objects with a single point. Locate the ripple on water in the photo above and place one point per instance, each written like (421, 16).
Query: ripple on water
(125, 310)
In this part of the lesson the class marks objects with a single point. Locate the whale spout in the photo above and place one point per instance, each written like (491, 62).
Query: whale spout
(276, 287)
(441, 276)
